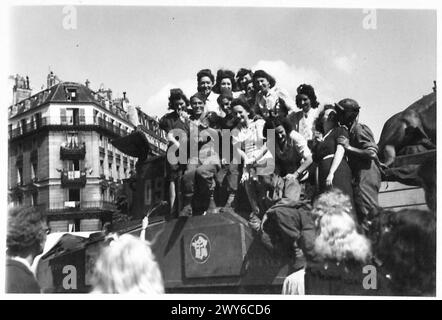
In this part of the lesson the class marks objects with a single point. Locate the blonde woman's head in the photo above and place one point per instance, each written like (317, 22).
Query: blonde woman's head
(338, 238)
(127, 265)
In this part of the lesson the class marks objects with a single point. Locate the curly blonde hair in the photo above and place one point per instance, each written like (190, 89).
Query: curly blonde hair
(127, 265)
(338, 238)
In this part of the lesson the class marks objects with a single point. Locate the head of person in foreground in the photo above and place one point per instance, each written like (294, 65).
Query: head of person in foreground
(127, 265)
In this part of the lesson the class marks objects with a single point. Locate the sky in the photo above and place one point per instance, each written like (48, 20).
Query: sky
(148, 50)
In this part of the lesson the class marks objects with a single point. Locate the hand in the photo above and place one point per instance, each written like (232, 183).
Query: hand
(294, 175)
(145, 222)
(245, 176)
(263, 220)
(344, 142)
(329, 180)
(184, 114)
(298, 253)
(249, 161)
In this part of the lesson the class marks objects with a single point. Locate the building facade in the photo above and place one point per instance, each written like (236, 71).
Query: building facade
(60, 152)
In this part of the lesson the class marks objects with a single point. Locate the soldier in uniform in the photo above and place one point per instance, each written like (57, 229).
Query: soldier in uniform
(362, 152)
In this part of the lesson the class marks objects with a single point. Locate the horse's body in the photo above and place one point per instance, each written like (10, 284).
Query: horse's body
(410, 131)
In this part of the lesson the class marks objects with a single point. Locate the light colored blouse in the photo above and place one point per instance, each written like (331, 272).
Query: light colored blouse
(252, 142)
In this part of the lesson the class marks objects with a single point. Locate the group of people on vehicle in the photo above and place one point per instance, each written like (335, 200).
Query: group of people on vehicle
(311, 175)
(244, 130)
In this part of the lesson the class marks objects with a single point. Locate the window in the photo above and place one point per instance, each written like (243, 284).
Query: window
(23, 125)
(72, 117)
(118, 172)
(103, 195)
(125, 173)
(110, 169)
(20, 176)
(34, 171)
(73, 165)
(95, 116)
(74, 195)
(37, 119)
(101, 167)
(71, 94)
(73, 140)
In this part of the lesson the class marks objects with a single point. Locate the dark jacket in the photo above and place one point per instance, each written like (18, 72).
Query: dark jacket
(289, 227)
(347, 277)
(19, 279)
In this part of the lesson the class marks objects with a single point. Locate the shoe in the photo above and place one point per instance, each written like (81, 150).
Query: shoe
(186, 211)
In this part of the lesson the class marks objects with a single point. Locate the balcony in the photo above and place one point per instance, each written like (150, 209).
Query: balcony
(73, 151)
(75, 179)
(111, 128)
(28, 128)
(71, 123)
(77, 206)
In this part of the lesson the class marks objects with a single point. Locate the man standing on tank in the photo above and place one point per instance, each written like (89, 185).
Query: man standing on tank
(362, 152)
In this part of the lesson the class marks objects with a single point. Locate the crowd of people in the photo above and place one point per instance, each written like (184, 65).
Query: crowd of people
(323, 147)
(311, 175)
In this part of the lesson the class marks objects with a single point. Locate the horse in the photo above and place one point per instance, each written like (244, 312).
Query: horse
(412, 131)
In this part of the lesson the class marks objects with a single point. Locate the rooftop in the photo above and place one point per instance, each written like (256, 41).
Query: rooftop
(68, 92)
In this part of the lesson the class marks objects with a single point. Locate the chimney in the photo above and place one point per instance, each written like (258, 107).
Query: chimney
(87, 83)
(21, 90)
(50, 79)
(124, 95)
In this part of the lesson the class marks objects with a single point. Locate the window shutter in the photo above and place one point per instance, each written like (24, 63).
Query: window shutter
(63, 116)
(81, 113)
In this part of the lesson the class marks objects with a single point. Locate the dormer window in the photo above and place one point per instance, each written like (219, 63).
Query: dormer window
(71, 94)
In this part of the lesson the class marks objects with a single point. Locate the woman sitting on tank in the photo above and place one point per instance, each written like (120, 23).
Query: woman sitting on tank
(176, 125)
(292, 155)
(249, 146)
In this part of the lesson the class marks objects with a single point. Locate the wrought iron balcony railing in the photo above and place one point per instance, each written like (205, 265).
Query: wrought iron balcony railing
(63, 121)
(75, 178)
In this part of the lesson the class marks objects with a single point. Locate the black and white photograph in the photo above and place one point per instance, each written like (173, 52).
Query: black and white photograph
(199, 149)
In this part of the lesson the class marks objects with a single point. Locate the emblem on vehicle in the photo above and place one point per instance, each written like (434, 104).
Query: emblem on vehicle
(200, 248)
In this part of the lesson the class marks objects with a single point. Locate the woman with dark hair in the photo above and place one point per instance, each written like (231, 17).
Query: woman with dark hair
(292, 155)
(176, 124)
(303, 121)
(249, 146)
(250, 93)
(269, 98)
(206, 80)
(407, 251)
(243, 76)
(328, 153)
(225, 80)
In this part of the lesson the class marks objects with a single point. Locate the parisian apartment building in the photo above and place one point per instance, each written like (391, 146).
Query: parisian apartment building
(60, 153)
